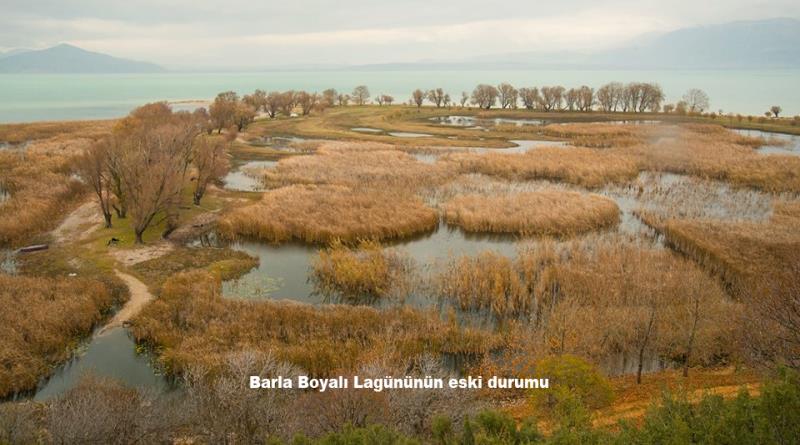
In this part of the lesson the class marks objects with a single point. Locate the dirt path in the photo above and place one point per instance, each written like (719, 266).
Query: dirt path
(79, 224)
(140, 296)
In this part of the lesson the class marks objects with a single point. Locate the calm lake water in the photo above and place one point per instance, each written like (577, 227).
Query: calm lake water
(26, 97)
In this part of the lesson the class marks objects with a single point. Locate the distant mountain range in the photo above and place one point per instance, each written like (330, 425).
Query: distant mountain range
(70, 59)
(765, 44)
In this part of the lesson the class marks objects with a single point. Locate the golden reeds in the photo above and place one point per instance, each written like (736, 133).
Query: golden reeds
(320, 214)
(553, 212)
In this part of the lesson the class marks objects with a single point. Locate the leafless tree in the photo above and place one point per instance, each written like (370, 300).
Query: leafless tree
(387, 99)
(571, 99)
(307, 101)
(585, 100)
(609, 96)
(436, 96)
(343, 99)
(329, 97)
(696, 100)
(508, 95)
(210, 161)
(272, 104)
(775, 110)
(93, 168)
(257, 100)
(552, 98)
(464, 99)
(244, 115)
(360, 94)
(223, 110)
(530, 97)
(288, 100)
(484, 96)
(418, 97)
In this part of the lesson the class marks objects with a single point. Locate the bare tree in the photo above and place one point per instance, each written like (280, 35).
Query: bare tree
(696, 100)
(307, 101)
(287, 102)
(530, 97)
(571, 99)
(609, 96)
(585, 100)
(484, 96)
(418, 97)
(257, 100)
(93, 168)
(360, 94)
(223, 110)
(343, 99)
(243, 116)
(775, 110)
(387, 99)
(552, 98)
(436, 96)
(272, 104)
(210, 162)
(508, 95)
(464, 99)
(329, 97)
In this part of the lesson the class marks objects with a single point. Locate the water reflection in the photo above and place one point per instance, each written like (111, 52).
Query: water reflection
(112, 354)
(240, 179)
(777, 143)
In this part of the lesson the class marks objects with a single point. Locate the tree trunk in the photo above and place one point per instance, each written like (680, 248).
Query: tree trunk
(107, 217)
(139, 239)
(690, 345)
(644, 346)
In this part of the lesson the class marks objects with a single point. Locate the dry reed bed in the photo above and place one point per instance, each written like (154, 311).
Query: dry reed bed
(598, 135)
(376, 165)
(40, 190)
(41, 321)
(549, 212)
(191, 323)
(744, 254)
(16, 133)
(320, 214)
(362, 274)
(595, 298)
(580, 166)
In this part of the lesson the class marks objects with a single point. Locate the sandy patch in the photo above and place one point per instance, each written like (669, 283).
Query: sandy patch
(79, 224)
(129, 257)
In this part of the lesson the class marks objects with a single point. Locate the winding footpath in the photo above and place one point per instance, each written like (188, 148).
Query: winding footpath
(139, 297)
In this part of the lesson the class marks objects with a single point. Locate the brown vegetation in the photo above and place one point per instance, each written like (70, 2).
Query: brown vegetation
(365, 273)
(580, 166)
(191, 323)
(42, 320)
(320, 214)
(555, 213)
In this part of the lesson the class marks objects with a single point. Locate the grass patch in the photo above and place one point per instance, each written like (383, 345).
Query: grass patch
(226, 263)
(321, 214)
(555, 213)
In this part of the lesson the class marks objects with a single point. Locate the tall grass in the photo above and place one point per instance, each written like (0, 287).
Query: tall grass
(192, 324)
(580, 166)
(362, 274)
(553, 212)
(42, 319)
(320, 214)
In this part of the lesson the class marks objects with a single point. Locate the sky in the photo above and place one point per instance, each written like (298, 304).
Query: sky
(262, 33)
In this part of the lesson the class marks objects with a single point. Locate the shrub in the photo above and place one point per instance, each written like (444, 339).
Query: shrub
(573, 377)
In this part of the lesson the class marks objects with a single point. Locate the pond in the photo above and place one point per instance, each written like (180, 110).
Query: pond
(240, 179)
(477, 122)
(8, 261)
(406, 134)
(284, 269)
(111, 354)
(367, 130)
(777, 143)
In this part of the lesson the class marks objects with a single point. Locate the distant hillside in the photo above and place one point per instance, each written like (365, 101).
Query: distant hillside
(70, 59)
(738, 45)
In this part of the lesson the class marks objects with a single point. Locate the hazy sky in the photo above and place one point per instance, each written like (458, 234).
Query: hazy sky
(255, 33)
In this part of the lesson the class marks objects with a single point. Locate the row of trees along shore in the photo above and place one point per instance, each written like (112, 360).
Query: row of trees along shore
(634, 97)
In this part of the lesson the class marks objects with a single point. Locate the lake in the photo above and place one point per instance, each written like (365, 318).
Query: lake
(37, 97)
